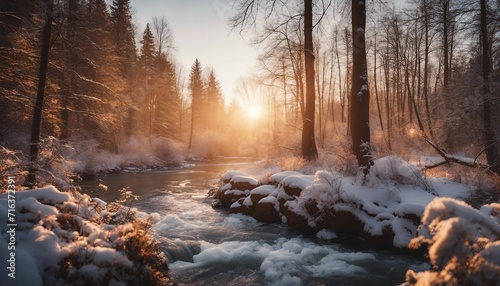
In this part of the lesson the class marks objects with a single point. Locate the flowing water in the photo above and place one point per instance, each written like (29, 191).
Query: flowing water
(206, 246)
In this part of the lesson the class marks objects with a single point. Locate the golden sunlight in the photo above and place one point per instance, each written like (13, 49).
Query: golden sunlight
(254, 111)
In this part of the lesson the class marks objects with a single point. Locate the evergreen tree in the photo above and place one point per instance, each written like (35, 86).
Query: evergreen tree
(167, 102)
(196, 91)
(87, 73)
(147, 57)
(147, 62)
(18, 69)
(123, 36)
(124, 45)
(215, 101)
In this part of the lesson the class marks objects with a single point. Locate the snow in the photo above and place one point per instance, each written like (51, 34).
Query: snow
(226, 177)
(28, 274)
(394, 195)
(442, 209)
(278, 177)
(244, 179)
(298, 181)
(419, 210)
(48, 194)
(54, 227)
(102, 256)
(247, 202)
(464, 244)
(326, 234)
(392, 168)
(263, 190)
(410, 208)
(270, 200)
(281, 262)
(32, 205)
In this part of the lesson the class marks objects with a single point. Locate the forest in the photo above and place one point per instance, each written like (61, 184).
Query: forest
(111, 88)
(349, 87)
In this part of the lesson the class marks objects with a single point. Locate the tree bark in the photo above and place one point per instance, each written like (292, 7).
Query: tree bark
(309, 150)
(42, 78)
(360, 93)
(491, 145)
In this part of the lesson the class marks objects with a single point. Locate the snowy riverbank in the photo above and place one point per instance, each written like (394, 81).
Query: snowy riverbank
(395, 205)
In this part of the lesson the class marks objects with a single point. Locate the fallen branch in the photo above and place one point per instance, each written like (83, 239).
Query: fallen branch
(448, 158)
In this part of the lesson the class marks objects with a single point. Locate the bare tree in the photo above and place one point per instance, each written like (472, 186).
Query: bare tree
(360, 93)
(491, 144)
(42, 77)
(163, 34)
(248, 13)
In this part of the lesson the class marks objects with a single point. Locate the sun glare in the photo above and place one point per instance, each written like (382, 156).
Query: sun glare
(254, 111)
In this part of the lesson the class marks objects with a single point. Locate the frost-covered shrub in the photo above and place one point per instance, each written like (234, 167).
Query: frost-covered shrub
(326, 189)
(167, 150)
(9, 165)
(73, 239)
(90, 159)
(142, 152)
(463, 245)
(395, 170)
(210, 143)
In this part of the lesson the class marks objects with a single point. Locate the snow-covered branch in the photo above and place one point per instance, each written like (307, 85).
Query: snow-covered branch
(448, 158)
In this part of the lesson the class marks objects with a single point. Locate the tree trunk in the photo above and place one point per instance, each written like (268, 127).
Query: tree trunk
(42, 77)
(491, 145)
(426, 69)
(379, 111)
(309, 150)
(360, 93)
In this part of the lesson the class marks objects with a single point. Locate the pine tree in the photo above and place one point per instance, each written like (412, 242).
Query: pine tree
(18, 69)
(196, 90)
(215, 101)
(167, 103)
(123, 35)
(147, 57)
(86, 71)
(147, 75)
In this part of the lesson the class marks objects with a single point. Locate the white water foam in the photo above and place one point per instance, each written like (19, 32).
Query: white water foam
(285, 262)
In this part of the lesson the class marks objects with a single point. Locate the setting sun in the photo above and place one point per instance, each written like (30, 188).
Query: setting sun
(254, 111)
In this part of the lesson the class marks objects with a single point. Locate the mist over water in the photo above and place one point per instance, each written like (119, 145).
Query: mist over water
(207, 246)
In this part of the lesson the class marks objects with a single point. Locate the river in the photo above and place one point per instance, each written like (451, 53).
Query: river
(207, 246)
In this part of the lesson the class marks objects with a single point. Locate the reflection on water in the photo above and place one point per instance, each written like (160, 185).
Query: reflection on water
(206, 246)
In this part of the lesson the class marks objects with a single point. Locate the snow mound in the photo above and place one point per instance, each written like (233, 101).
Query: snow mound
(464, 245)
(226, 177)
(394, 169)
(278, 177)
(59, 237)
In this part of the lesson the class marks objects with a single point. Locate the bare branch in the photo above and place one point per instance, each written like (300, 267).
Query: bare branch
(469, 162)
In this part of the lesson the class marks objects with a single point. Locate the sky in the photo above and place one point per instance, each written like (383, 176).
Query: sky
(201, 32)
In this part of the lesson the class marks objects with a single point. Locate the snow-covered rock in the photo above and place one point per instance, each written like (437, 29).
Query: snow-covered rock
(385, 209)
(464, 245)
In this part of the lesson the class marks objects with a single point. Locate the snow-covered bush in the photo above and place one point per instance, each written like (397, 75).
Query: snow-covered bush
(167, 150)
(141, 152)
(73, 239)
(90, 159)
(464, 245)
(211, 143)
(9, 165)
(392, 169)
(137, 152)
